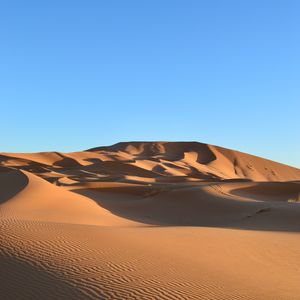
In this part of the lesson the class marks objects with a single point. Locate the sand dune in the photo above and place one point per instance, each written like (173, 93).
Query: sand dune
(148, 220)
(39, 200)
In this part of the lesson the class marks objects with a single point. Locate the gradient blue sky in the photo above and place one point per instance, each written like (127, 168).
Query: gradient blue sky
(79, 74)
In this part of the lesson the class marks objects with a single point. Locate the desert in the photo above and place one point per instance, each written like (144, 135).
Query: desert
(148, 220)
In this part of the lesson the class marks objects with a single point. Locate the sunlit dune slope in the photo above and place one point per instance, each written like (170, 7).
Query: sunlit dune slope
(27, 197)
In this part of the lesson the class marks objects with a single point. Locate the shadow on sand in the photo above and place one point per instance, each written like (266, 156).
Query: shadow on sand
(194, 206)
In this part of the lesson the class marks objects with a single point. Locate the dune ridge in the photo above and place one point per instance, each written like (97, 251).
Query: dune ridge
(148, 220)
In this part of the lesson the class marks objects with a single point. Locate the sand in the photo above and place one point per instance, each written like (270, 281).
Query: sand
(148, 220)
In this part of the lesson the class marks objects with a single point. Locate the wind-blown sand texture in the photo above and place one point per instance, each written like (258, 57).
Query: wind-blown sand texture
(148, 220)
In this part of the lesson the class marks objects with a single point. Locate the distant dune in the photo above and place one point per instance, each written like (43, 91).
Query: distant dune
(148, 220)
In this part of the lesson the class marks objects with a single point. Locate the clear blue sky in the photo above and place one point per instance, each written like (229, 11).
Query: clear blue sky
(79, 74)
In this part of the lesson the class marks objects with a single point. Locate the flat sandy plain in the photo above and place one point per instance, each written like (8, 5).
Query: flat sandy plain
(148, 220)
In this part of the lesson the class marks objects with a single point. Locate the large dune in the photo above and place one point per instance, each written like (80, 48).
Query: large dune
(148, 220)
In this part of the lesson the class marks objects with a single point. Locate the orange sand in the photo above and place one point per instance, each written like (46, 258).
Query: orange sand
(148, 220)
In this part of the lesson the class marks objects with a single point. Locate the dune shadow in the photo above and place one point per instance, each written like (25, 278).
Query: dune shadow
(158, 207)
(270, 191)
(11, 183)
(67, 162)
